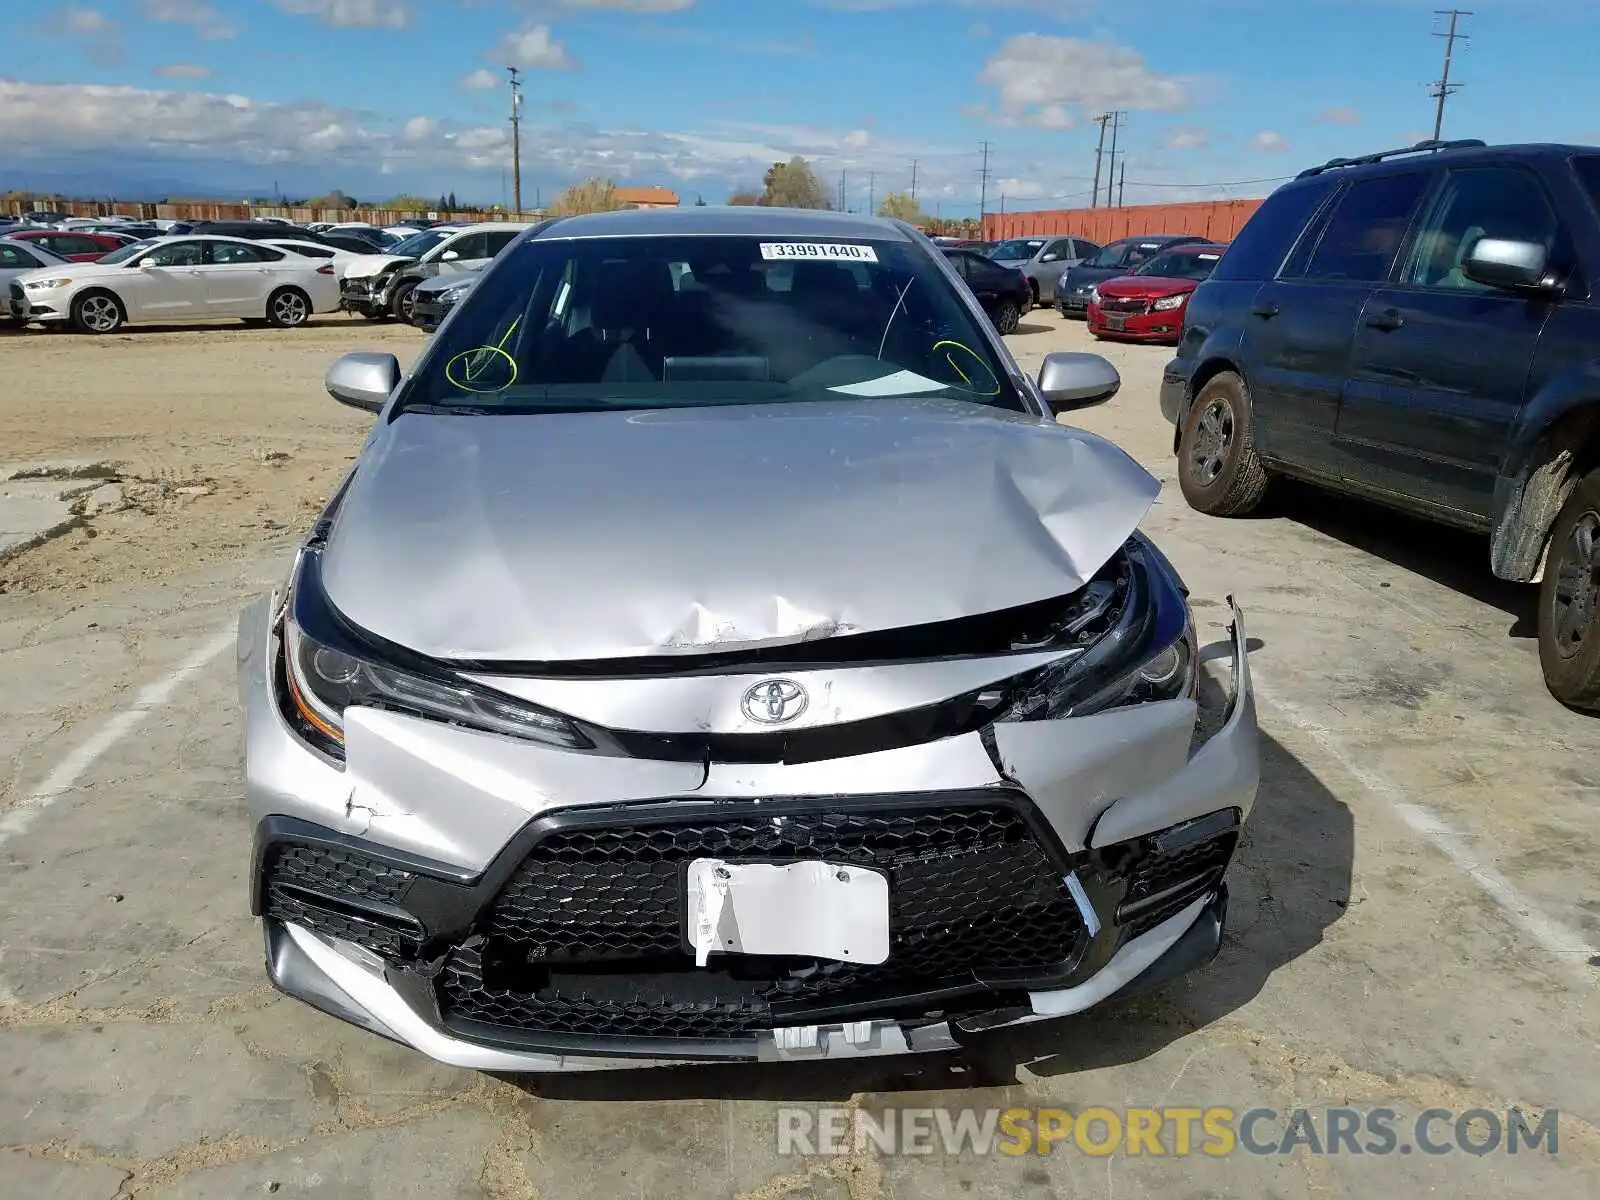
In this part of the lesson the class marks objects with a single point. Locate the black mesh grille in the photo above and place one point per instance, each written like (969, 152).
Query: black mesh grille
(1186, 873)
(587, 935)
(326, 890)
(16, 291)
(1111, 304)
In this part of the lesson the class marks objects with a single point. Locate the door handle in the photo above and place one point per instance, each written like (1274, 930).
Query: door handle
(1388, 320)
(1265, 311)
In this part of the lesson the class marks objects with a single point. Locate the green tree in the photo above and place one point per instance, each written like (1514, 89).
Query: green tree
(793, 185)
(745, 196)
(592, 195)
(903, 207)
(451, 205)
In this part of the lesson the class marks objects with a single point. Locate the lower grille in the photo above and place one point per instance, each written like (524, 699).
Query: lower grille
(1176, 872)
(587, 935)
(341, 894)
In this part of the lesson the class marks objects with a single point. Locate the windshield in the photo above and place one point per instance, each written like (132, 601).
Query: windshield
(417, 244)
(1187, 263)
(1124, 254)
(1016, 248)
(587, 325)
(123, 253)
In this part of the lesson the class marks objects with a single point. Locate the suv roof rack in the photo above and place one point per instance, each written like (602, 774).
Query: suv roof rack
(1420, 148)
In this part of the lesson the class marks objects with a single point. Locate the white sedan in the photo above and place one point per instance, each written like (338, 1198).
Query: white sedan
(328, 254)
(21, 258)
(178, 279)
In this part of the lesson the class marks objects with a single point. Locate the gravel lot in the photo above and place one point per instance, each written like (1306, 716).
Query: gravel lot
(1414, 921)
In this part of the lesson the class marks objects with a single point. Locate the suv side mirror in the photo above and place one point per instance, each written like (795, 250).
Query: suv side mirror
(363, 380)
(1068, 379)
(1508, 263)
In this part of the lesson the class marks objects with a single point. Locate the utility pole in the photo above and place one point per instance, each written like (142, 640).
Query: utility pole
(983, 186)
(1443, 87)
(1099, 153)
(872, 193)
(1122, 180)
(842, 207)
(1116, 126)
(516, 137)
(913, 179)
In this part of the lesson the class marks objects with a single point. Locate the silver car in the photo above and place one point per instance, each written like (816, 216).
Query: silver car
(1043, 259)
(718, 652)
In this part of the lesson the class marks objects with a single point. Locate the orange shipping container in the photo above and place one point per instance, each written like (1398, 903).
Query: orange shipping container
(1219, 220)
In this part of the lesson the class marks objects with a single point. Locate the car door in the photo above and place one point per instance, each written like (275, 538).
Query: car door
(238, 278)
(164, 283)
(980, 276)
(1054, 258)
(1440, 363)
(73, 246)
(1300, 329)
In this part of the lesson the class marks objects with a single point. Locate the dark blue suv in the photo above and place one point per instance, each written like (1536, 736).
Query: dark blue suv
(1420, 327)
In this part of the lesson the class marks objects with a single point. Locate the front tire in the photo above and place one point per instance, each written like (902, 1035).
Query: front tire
(1219, 471)
(1007, 316)
(288, 308)
(400, 305)
(97, 312)
(1569, 600)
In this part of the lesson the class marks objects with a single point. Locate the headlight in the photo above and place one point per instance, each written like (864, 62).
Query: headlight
(1094, 295)
(326, 671)
(1140, 645)
(453, 295)
(40, 285)
(1168, 303)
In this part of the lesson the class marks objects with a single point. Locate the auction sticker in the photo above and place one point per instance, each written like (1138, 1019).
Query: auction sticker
(834, 251)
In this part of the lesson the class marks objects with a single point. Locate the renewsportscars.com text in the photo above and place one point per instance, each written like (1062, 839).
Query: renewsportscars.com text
(1168, 1131)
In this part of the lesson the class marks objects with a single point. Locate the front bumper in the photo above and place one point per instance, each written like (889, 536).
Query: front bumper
(1073, 304)
(1175, 378)
(1136, 326)
(429, 313)
(1101, 792)
(364, 294)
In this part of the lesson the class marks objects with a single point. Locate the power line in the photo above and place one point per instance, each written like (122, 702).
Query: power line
(1443, 87)
(983, 184)
(516, 137)
(1099, 153)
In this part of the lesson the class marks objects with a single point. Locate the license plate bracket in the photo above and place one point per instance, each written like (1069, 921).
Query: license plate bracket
(1114, 321)
(808, 909)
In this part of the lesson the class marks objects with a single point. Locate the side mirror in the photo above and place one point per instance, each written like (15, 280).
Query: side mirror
(1068, 379)
(147, 264)
(363, 380)
(1508, 263)
(1050, 258)
(449, 256)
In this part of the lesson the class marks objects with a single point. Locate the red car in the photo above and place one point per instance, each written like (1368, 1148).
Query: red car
(1148, 305)
(72, 244)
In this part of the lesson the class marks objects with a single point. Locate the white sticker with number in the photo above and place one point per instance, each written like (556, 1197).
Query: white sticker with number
(830, 251)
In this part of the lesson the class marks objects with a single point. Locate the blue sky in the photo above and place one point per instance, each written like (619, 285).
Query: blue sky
(383, 96)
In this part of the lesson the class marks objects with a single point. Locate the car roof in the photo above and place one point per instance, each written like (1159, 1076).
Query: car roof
(1403, 158)
(473, 228)
(741, 221)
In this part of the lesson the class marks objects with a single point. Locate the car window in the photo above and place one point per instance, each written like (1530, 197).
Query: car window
(1084, 248)
(1587, 167)
(1017, 248)
(15, 257)
(1061, 248)
(175, 254)
(1366, 228)
(1262, 247)
(589, 324)
(72, 243)
(498, 240)
(1497, 202)
(223, 253)
(468, 245)
(307, 250)
(1183, 263)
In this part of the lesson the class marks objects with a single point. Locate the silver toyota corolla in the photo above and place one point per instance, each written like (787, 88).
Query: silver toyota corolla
(718, 652)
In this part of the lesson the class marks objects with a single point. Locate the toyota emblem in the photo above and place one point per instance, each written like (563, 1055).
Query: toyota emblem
(774, 701)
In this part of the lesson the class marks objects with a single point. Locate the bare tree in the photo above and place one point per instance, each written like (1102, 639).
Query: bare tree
(592, 195)
(745, 196)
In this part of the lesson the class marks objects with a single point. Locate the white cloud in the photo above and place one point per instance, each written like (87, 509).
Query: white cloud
(1339, 114)
(420, 129)
(1186, 137)
(1021, 189)
(86, 22)
(96, 33)
(857, 139)
(183, 71)
(481, 80)
(204, 18)
(352, 14)
(1041, 79)
(533, 47)
(1269, 141)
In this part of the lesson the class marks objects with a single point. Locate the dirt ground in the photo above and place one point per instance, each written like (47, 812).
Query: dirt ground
(1413, 921)
(222, 434)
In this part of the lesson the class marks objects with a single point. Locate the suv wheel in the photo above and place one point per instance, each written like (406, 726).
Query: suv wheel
(1218, 468)
(1569, 600)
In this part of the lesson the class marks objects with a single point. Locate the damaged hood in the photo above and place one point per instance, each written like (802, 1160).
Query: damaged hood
(362, 265)
(608, 535)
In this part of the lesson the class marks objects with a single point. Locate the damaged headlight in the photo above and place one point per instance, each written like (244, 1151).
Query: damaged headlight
(1134, 619)
(326, 670)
